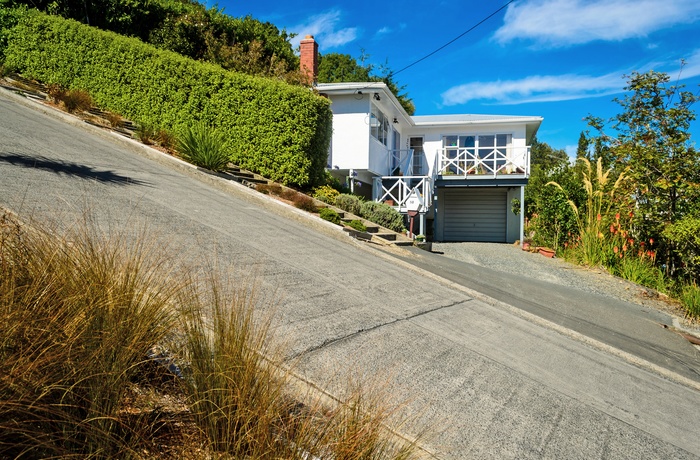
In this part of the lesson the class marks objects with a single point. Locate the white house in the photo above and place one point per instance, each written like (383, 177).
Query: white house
(460, 175)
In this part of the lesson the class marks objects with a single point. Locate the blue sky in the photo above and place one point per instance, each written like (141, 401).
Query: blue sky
(559, 59)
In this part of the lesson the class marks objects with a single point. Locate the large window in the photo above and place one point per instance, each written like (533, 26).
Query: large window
(480, 146)
(484, 153)
(380, 125)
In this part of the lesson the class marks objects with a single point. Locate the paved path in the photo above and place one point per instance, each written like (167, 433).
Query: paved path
(490, 380)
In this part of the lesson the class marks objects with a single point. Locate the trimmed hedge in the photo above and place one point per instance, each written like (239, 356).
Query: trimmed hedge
(272, 128)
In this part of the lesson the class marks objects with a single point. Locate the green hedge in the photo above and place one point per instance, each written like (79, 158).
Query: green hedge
(274, 129)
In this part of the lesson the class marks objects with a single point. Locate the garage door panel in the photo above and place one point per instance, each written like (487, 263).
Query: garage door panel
(472, 214)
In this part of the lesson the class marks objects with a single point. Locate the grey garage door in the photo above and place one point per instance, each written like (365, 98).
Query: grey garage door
(475, 214)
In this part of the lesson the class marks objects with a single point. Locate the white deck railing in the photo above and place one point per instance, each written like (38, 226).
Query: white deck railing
(492, 161)
(395, 190)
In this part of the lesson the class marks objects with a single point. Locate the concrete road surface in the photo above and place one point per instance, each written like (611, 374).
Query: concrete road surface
(490, 380)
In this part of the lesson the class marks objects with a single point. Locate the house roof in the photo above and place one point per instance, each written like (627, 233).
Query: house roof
(532, 122)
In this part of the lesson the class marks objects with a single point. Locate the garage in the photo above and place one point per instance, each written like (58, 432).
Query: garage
(475, 214)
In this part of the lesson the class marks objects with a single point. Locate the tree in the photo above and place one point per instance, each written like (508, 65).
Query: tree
(652, 138)
(188, 28)
(542, 155)
(339, 68)
(582, 151)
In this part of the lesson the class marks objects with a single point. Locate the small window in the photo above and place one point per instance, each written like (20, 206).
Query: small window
(379, 125)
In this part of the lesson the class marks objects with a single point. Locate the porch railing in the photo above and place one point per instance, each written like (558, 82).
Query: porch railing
(395, 190)
(400, 161)
(492, 161)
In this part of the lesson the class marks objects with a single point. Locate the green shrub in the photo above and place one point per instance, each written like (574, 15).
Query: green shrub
(203, 147)
(330, 215)
(76, 100)
(384, 215)
(357, 225)
(349, 203)
(685, 237)
(305, 202)
(326, 193)
(277, 130)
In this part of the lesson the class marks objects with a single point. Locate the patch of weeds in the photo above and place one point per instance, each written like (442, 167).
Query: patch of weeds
(330, 215)
(276, 189)
(166, 139)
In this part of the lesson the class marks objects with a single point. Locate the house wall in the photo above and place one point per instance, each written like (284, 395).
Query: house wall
(351, 136)
(433, 136)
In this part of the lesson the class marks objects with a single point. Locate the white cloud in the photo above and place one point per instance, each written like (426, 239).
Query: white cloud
(324, 28)
(538, 88)
(383, 31)
(570, 22)
(553, 88)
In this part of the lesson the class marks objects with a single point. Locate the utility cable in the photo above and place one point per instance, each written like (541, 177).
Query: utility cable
(454, 39)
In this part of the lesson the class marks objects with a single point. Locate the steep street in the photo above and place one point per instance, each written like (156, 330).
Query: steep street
(488, 375)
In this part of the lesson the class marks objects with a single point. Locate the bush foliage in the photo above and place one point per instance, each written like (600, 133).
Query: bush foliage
(330, 215)
(277, 130)
(349, 203)
(357, 225)
(384, 215)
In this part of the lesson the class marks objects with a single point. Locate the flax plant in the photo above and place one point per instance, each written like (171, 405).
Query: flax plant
(591, 244)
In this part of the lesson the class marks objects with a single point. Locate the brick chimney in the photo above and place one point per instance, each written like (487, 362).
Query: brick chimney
(309, 59)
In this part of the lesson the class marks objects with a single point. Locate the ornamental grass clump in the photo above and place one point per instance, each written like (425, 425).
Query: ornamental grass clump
(203, 147)
(76, 100)
(590, 246)
(80, 313)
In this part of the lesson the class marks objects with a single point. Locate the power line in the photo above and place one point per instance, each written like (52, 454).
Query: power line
(454, 39)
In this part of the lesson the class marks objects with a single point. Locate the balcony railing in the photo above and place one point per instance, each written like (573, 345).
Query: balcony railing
(492, 161)
(395, 190)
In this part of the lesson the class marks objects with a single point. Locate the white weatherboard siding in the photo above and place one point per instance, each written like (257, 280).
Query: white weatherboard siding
(351, 137)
